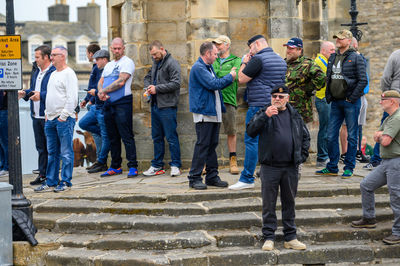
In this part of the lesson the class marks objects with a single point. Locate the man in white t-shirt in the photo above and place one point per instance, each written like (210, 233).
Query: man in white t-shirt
(61, 100)
(114, 87)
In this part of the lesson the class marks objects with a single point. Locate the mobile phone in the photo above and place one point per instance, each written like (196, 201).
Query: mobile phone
(30, 94)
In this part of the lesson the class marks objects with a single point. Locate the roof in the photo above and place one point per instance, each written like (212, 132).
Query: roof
(49, 29)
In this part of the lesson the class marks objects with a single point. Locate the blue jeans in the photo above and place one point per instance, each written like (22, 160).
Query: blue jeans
(163, 124)
(251, 150)
(59, 146)
(89, 123)
(324, 110)
(4, 140)
(343, 110)
(376, 157)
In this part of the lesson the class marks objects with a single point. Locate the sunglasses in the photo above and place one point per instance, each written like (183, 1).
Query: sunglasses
(278, 96)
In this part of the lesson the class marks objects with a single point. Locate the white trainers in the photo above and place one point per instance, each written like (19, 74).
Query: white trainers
(3, 173)
(295, 244)
(268, 245)
(154, 171)
(175, 171)
(241, 185)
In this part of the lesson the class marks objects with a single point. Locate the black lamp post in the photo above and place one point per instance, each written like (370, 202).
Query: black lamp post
(353, 25)
(18, 199)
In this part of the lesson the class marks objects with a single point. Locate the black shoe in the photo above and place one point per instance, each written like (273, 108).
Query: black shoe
(98, 168)
(92, 166)
(198, 185)
(361, 158)
(391, 240)
(342, 157)
(36, 171)
(40, 180)
(364, 223)
(218, 183)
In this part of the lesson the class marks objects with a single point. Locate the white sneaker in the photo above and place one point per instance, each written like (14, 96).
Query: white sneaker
(268, 245)
(241, 185)
(154, 171)
(3, 173)
(175, 171)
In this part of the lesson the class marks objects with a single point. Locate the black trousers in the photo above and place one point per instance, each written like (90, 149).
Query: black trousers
(204, 152)
(273, 178)
(41, 144)
(118, 120)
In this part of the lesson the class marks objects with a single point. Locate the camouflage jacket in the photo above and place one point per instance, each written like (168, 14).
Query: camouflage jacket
(303, 76)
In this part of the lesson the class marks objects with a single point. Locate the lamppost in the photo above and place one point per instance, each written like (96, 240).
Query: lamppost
(353, 25)
(18, 199)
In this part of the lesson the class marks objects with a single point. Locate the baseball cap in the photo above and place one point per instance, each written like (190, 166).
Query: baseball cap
(343, 34)
(101, 54)
(294, 42)
(280, 88)
(222, 39)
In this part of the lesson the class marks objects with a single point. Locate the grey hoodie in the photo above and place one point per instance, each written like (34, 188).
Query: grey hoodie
(391, 74)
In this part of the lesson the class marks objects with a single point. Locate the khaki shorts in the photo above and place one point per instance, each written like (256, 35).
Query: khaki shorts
(229, 120)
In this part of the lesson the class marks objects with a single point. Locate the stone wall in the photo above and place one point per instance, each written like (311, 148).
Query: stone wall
(182, 25)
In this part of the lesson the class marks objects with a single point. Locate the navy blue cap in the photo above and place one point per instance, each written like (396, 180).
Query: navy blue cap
(254, 38)
(294, 42)
(280, 88)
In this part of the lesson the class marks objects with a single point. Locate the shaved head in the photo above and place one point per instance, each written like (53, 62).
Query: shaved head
(117, 48)
(327, 48)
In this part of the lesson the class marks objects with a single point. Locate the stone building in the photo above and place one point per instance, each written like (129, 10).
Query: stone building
(182, 25)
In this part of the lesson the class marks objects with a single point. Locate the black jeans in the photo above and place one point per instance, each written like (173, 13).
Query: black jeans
(118, 120)
(204, 152)
(271, 179)
(41, 144)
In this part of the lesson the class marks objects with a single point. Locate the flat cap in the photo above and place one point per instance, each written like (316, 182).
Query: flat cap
(390, 94)
(343, 34)
(101, 54)
(280, 88)
(222, 39)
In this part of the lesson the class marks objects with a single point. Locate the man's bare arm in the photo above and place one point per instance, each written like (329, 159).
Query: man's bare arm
(123, 77)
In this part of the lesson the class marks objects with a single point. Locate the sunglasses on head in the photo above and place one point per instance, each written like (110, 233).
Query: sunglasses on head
(278, 96)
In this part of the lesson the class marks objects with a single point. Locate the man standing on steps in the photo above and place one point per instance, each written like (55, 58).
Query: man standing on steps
(222, 66)
(114, 87)
(346, 80)
(38, 92)
(388, 136)
(207, 106)
(261, 70)
(283, 145)
(163, 83)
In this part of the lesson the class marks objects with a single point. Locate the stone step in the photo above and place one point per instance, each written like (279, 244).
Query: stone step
(140, 240)
(205, 207)
(63, 222)
(354, 251)
(327, 190)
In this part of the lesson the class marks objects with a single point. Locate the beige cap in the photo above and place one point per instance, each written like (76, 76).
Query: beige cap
(390, 94)
(343, 34)
(222, 39)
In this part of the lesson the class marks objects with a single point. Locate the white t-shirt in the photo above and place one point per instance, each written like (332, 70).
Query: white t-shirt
(38, 85)
(111, 72)
(62, 94)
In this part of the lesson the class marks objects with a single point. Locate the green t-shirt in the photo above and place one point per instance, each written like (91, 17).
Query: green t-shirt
(391, 127)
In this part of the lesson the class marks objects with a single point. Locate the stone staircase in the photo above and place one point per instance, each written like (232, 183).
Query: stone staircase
(95, 225)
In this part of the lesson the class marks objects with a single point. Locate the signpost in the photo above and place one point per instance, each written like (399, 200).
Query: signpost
(10, 62)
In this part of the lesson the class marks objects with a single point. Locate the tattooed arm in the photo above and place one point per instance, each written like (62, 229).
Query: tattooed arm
(123, 77)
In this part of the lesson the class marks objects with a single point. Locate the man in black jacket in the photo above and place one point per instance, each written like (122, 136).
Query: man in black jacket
(283, 145)
(346, 80)
(163, 83)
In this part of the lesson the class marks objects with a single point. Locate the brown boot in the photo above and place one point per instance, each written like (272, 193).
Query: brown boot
(233, 169)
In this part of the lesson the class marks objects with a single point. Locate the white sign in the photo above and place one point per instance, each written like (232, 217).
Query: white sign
(11, 74)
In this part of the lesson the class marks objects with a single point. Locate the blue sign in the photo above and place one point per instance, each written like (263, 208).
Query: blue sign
(1, 72)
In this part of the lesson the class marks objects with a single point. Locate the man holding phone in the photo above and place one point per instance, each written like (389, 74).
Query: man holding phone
(37, 94)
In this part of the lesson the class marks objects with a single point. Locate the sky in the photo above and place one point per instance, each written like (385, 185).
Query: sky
(36, 10)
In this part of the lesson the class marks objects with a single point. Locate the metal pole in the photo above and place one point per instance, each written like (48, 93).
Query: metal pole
(354, 24)
(14, 142)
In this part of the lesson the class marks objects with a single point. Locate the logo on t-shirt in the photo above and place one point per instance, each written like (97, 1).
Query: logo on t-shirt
(337, 71)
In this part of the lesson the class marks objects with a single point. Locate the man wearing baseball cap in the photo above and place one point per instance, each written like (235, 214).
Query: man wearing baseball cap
(388, 136)
(303, 77)
(283, 145)
(222, 66)
(346, 80)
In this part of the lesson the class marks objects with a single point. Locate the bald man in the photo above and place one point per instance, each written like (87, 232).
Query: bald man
(323, 108)
(114, 88)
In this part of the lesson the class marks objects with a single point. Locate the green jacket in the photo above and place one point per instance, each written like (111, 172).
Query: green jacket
(303, 76)
(228, 93)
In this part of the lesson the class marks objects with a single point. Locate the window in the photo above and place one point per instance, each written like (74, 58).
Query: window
(82, 53)
(33, 47)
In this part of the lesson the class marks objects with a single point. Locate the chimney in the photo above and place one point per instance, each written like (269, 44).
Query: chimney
(90, 14)
(59, 11)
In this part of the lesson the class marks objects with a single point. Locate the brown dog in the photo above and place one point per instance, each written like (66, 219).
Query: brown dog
(79, 152)
(90, 146)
